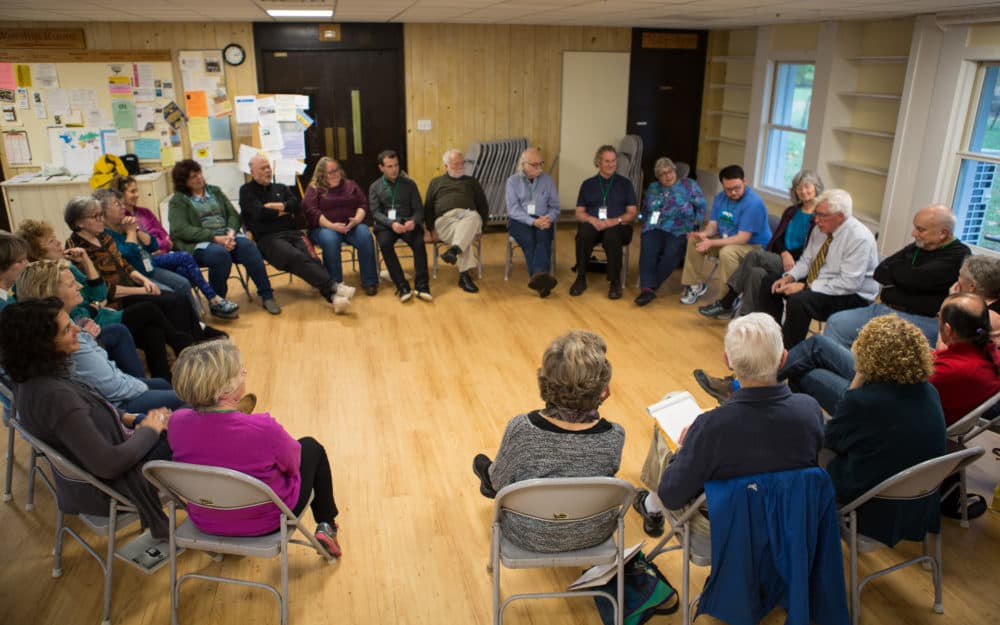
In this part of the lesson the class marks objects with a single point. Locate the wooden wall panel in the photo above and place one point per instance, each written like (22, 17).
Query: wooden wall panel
(487, 82)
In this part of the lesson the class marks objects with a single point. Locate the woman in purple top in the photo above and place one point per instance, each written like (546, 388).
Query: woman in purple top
(335, 208)
(211, 378)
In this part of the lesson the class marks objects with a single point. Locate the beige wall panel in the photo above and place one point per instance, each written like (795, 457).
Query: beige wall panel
(785, 37)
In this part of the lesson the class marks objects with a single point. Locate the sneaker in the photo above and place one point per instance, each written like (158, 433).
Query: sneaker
(425, 295)
(247, 403)
(271, 306)
(341, 305)
(224, 309)
(326, 535)
(481, 467)
(645, 297)
(345, 291)
(719, 388)
(693, 292)
(404, 293)
(716, 310)
(652, 522)
(579, 285)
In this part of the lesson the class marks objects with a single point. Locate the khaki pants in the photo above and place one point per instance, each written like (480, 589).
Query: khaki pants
(729, 259)
(459, 226)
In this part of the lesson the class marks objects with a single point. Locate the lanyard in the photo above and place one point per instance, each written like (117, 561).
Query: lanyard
(392, 191)
(530, 187)
(604, 192)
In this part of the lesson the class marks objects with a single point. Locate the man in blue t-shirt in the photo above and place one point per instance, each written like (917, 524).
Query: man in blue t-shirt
(736, 226)
(606, 210)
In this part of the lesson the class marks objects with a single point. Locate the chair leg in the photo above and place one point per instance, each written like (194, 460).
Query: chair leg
(8, 478)
(855, 592)
(479, 256)
(110, 563)
(938, 605)
(174, 590)
(509, 260)
(29, 501)
(963, 499)
(434, 264)
(57, 547)
(283, 599)
(686, 576)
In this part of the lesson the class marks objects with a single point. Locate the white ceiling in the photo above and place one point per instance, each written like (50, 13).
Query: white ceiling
(644, 13)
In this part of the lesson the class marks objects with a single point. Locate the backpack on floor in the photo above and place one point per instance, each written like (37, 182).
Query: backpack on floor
(647, 593)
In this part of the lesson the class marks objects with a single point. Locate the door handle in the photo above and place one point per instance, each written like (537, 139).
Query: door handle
(341, 143)
(328, 140)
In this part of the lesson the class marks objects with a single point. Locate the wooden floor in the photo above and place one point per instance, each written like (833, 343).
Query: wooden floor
(403, 396)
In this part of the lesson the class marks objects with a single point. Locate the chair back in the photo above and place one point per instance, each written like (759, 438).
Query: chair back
(7, 393)
(492, 163)
(205, 486)
(564, 499)
(966, 427)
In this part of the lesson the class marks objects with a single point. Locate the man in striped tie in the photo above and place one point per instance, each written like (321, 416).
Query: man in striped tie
(835, 271)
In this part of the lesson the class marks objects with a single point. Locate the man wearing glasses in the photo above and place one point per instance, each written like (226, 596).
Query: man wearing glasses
(532, 212)
(737, 225)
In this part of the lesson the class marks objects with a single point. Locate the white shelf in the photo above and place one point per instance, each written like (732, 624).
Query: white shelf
(728, 85)
(868, 169)
(726, 140)
(723, 112)
(865, 132)
(871, 96)
(733, 58)
(878, 60)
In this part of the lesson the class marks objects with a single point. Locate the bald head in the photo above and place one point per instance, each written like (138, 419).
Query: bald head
(260, 170)
(531, 163)
(933, 227)
(964, 318)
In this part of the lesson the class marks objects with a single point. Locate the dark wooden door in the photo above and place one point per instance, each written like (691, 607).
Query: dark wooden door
(666, 76)
(355, 100)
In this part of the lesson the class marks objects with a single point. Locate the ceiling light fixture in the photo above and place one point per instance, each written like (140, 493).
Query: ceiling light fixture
(300, 12)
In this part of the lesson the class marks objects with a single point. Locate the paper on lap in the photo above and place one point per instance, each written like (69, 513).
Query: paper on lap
(673, 413)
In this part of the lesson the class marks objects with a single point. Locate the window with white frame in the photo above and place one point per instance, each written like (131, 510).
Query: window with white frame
(788, 122)
(977, 199)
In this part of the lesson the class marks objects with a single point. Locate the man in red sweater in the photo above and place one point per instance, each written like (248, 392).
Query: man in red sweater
(967, 368)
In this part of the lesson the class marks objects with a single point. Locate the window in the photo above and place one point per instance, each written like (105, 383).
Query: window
(977, 199)
(787, 124)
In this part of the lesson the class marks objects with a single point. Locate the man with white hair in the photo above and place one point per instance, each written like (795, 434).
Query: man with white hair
(915, 280)
(765, 427)
(532, 212)
(835, 271)
(455, 210)
(269, 210)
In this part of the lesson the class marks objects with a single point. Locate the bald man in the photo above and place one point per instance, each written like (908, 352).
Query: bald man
(532, 212)
(915, 280)
(269, 210)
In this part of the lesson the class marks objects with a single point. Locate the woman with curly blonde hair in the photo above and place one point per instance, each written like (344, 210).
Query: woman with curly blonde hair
(567, 438)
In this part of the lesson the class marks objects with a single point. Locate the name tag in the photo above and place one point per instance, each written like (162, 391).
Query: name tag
(147, 263)
(654, 218)
(392, 214)
(602, 212)
(531, 208)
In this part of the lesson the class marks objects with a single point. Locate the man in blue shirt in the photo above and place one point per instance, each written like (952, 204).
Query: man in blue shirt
(532, 213)
(606, 208)
(737, 225)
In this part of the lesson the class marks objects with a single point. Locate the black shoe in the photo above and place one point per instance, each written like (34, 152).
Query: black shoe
(716, 310)
(579, 285)
(481, 467)
(652, 522)
(465, 281)
(541, 281)
(615, 290)
(451, 256)
(370, 289)
(213, 333)
(645, 297)
(543, 293)
(719, 388)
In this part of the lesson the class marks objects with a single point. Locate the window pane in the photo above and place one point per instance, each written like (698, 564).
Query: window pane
(783, 157)
(986, 132)
(792, 93)
(977, 205)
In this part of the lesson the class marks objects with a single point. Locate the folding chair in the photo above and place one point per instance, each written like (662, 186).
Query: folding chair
(560, 500)
(121, 514)
(217, 488)
(697, 552)
(9, 417)
(920, 482)
(512, 244)
(477, 245)
(626, 257)
(964, 430)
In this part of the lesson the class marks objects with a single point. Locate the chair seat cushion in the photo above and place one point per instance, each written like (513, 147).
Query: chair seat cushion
(515, 557)
(266, 546)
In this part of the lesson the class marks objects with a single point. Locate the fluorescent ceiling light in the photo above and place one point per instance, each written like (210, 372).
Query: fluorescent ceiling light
(300, 12)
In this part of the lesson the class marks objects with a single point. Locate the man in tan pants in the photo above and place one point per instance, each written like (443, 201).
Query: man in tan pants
(455, 210)
(736, 226)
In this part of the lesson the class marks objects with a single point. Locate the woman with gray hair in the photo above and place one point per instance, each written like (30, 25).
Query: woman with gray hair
(671, 208)
(760, 268)
(567, 438)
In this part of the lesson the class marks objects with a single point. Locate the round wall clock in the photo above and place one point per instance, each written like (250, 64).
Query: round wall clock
(234, 54)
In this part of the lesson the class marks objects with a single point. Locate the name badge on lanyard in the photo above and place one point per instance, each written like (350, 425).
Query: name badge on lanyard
(602, 212)
(654, 218)
(147, 262)
(392, 214)
(531, 208)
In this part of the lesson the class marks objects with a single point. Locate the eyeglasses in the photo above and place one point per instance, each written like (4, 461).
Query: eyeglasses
(538, 164)
(733, 189)
(98, 216)
(331, 172)
(822, 215)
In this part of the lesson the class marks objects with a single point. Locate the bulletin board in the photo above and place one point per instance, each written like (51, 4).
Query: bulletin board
(70, 113)
(207, 105)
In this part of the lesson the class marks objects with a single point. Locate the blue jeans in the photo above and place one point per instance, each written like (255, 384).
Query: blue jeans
(361, 238)
(220, 263)
(843, 327)
(660, 252)
(159, 395)
(821, 368)
(536, 245)
(118, 342)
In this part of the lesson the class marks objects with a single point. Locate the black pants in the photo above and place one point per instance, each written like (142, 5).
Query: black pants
(415, 239)
(316, 479)
(175, 306)
(613, 240)
(806, 305)
(152, 332)
(287, 251)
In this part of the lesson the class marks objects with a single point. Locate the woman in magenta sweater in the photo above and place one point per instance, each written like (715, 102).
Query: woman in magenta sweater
(335, 208)
(211, 377)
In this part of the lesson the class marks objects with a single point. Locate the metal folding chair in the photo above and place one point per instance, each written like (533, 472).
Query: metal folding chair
(970, 426)
(477, 245)
(560, 500)
(693, 552)
(509, 256)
